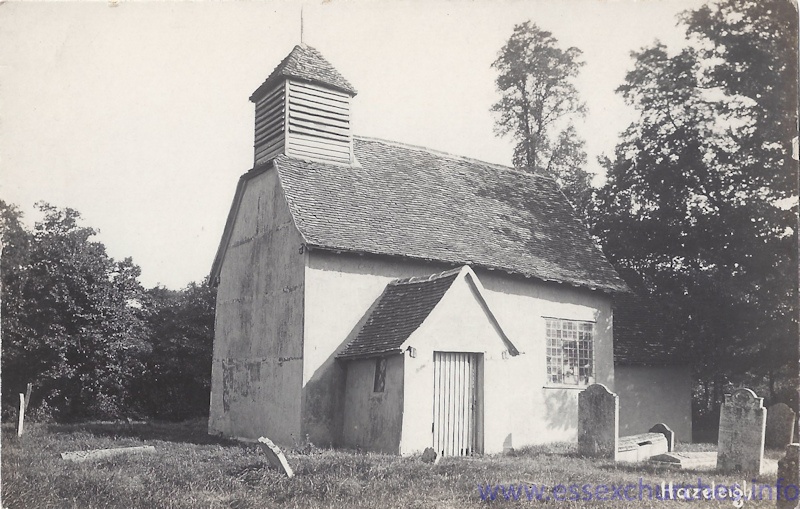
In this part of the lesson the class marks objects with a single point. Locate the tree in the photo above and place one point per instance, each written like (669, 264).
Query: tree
(177, 381)
(72, 323)
(700, 201)
(14, 261)
(538, 102)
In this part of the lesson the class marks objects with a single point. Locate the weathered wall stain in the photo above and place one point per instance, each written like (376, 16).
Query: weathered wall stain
(258, 347)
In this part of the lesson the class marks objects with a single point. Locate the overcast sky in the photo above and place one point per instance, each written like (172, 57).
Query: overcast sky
(137, 114)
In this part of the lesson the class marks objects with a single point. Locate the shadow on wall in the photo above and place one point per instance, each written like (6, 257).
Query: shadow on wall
(376, 266)
(562, 409)
(323, 404)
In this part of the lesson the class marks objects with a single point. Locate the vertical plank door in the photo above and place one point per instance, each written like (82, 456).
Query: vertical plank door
(454, 403)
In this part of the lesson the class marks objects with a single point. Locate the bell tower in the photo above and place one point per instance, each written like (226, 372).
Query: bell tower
(303, 111)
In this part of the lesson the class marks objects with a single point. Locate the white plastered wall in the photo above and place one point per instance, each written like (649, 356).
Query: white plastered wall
(341, 288)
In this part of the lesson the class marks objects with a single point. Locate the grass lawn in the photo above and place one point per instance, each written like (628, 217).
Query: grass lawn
(193, 470)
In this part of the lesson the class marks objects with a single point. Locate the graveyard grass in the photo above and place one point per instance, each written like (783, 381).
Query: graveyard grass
(193, 470)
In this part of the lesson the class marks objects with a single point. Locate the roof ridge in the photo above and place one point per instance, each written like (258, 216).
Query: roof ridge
(431, 277)
(450, 155)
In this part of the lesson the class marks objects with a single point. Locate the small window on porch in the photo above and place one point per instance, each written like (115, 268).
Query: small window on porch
(380, 374)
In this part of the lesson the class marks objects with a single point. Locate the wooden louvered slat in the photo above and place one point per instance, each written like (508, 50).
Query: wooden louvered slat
(317, 126)
(319, 119)
(318, 133)
(314, 154)
(322, 93)
(275, 124)
(269, 124)
(341, 110)
(268, 109)
(322, 112)
(269, 152)
(335, 103)
(265, 120)
(269, 139)
(276, 137)
(269, 131)
(309, 143)
(270, 97)
(332, 152)
(269, 144)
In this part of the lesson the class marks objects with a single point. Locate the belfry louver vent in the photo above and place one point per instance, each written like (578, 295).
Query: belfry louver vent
(303, 111)
(270, 125)
(319, 123)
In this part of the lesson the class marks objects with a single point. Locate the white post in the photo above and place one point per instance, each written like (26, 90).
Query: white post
(21, 414)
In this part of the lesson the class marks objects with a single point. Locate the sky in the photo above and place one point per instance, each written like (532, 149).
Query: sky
(136, 114)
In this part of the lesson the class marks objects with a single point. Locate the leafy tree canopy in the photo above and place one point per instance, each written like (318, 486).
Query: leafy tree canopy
(537, 105)
(701, 198)
(78, 325)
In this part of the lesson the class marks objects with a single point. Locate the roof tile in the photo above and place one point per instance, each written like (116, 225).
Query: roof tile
(413, 202)
(308, 64)
(401, 309)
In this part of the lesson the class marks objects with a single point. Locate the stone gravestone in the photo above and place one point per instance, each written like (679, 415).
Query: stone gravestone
(275, 457)
(668, 434)
(780, 426)
(788, 484)
(742, 423)
(598, 422)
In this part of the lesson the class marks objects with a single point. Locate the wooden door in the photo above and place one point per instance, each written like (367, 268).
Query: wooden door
(455, 403)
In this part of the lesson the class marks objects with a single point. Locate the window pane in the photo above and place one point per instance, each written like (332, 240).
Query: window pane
(570, 352)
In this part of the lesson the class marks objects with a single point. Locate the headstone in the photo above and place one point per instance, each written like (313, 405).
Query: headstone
(780, 426)
(742, 422)
(429, 455)
(788, 484)
(275, 457)
(95, 454)
(668, 434)
(598, 422)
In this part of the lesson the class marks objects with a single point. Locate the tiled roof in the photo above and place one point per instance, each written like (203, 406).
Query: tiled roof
(402, 308)
(643, 333)
(308, 64)
(413, 202)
